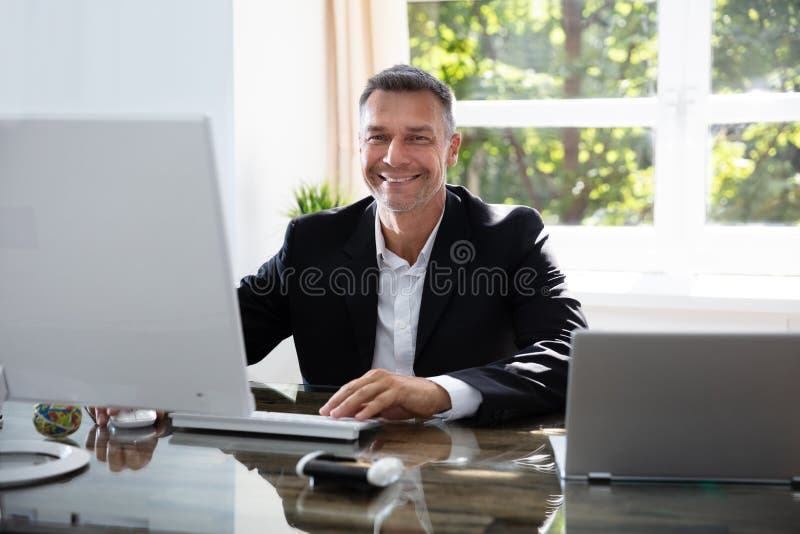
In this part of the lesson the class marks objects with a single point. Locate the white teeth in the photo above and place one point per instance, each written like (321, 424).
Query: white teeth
(398, 180)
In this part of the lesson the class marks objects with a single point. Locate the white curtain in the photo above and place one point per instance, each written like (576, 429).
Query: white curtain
(364, 37)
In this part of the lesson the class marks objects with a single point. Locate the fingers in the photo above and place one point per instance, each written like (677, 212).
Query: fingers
(377, 405)
(133, 456)
(389, 395)
(91, 437)
(162, 425)
(338, 397)
(120, 455)
(366, 402)
(136, 458)
(101, 445)
(376, 392)
(350, 388)
(101, 417)
(139, 455)
(116, 457)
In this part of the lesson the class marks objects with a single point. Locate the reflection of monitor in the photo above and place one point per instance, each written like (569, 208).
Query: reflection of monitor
(115, 283)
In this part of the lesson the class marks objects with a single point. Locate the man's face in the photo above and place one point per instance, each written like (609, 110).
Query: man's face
(404, 147)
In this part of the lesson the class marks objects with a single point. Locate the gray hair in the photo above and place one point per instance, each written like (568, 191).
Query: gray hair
(402, 78)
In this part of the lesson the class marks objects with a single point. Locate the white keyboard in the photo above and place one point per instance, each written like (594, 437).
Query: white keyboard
(290, 424)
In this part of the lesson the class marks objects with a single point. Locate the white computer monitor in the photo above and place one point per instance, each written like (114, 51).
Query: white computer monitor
(115, 281)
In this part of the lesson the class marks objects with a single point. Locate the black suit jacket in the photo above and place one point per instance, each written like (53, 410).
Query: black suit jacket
(495, 311)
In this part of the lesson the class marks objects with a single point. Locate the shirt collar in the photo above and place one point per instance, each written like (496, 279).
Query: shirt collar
(384, 255)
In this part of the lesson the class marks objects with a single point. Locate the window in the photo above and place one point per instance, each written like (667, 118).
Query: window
(658, 137)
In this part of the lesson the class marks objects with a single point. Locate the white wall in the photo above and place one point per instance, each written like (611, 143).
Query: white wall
(281, 133)
(122, 56)
(177, 56)
(281, 113)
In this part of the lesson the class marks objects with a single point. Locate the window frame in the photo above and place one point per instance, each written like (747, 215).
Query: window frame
(680, 242)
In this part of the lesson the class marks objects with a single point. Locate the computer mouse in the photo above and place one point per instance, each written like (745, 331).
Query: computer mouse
(134, 418)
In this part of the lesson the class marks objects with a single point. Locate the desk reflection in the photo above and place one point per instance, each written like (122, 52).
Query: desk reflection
(136, 484)
(400, 507)
(123, 449)
(677, 507)
(457, 479)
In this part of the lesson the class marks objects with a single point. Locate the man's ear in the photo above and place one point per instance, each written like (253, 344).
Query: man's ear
(452, 150)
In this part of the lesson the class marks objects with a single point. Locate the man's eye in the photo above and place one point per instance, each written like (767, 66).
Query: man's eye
(420, 138)
(376, 138)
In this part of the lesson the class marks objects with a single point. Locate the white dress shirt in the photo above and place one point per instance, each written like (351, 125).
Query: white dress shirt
(399, 298)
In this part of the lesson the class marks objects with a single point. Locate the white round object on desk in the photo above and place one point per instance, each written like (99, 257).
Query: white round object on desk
(67, 459)
(385, 471)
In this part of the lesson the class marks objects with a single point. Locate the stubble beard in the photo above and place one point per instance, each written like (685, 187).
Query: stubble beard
(421, 199)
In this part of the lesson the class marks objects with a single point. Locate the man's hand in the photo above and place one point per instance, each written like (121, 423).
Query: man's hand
(389, 395)
(101, 416)
(130, 449)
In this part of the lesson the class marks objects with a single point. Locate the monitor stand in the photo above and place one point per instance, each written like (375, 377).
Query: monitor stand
(62, 458)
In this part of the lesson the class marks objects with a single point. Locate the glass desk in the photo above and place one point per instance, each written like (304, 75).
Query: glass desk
(459, 478)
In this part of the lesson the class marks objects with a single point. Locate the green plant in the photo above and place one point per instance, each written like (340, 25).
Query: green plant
(312, 198)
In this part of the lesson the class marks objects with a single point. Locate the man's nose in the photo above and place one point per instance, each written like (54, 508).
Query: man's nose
(397, 154)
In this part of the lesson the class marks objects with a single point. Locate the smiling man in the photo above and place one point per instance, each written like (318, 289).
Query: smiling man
(421, 300)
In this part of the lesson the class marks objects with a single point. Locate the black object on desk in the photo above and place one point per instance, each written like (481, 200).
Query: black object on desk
(319, 466)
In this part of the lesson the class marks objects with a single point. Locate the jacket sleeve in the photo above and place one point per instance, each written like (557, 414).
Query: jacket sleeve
(534, 380)
(264, 303)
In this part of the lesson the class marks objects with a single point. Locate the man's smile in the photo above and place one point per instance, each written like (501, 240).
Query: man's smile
(393, 179)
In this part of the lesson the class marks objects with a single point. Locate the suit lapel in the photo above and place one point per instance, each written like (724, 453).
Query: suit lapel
(363, 302)
(452, 251)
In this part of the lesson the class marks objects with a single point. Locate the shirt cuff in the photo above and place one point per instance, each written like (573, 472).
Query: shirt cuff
(464, 399)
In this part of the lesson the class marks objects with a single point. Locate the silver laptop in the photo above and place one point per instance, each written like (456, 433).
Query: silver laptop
(115, 283)
(680, 406)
